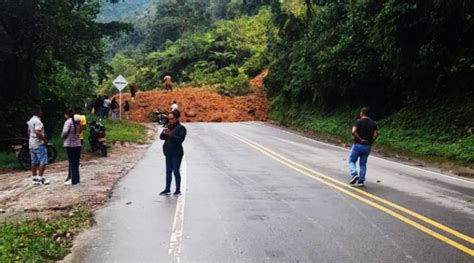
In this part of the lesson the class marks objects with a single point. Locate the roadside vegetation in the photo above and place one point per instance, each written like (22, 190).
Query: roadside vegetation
(421, 131)
(41, 240)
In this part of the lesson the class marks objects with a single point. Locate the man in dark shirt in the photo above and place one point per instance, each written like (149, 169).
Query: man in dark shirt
(365, 133)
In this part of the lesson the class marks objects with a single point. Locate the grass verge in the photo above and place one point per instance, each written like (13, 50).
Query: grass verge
(41, 240)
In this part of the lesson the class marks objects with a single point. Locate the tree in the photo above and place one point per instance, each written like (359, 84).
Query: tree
(175, 19)
(41, 43)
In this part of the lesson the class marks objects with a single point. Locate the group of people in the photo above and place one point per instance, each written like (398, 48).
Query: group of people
(103, 107)
(72, 135)
(364, 131)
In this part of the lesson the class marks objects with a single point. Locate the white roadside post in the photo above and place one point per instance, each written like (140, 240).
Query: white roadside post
(120, 83)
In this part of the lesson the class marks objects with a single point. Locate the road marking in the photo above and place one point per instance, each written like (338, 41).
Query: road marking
(398, 207)
(380, 158)
(178, 222)
(324, 179)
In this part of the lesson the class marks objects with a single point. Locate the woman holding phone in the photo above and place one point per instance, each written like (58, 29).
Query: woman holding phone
(173, 136)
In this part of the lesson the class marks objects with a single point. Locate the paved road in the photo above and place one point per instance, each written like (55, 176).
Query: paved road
(257, 193)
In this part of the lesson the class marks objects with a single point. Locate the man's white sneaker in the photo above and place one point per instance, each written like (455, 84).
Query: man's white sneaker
(35, 181)
(68, 182)
(43, 181)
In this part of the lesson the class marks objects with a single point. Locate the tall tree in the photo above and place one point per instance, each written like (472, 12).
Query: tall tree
(39, 39)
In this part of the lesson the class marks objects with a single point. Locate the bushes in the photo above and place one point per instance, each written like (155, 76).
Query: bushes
(234, 86)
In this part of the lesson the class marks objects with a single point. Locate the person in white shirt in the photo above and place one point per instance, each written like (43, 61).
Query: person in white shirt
(106, 107)
(174, 106)
(37, 144)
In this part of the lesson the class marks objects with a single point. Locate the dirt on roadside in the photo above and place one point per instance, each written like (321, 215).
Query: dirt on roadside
(20, 199)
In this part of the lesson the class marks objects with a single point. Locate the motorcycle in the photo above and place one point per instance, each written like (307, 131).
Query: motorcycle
(97, 139)
(162, 117)
(22, 152)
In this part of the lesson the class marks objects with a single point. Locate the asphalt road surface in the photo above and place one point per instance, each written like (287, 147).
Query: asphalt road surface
(256, 193)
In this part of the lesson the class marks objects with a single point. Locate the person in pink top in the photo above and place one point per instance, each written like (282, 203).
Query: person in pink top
(72, 142)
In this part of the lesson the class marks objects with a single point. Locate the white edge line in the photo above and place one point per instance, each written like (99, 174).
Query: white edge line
(376, 157)
(178, 222)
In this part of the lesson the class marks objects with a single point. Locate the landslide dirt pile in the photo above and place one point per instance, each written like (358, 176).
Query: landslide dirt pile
(202, 104)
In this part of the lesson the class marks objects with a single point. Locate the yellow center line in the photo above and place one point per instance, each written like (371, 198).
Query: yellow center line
(324, 179)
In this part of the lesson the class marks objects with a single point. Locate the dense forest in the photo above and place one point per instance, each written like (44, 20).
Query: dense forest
(326, 58)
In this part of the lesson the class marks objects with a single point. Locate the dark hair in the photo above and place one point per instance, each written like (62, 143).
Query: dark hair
(365, 111)
(36, 109)
(174, 101)
(176, 114)
(78, 110)
(70, 115)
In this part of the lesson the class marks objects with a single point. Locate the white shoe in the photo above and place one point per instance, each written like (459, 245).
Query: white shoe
(68, 182)
(35, 180)
(43, 181)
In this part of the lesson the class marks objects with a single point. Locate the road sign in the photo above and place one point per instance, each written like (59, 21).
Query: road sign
(120, 82)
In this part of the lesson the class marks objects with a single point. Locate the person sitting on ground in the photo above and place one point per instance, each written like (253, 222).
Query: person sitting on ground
(365, 133)
(37, 144)
(173, 150)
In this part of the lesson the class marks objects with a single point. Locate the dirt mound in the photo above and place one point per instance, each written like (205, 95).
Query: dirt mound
(202, 104)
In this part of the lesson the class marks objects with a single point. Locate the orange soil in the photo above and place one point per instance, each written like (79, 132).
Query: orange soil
(202, 104)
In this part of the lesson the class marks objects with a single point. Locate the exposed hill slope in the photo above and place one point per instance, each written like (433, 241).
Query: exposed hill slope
(203, 104)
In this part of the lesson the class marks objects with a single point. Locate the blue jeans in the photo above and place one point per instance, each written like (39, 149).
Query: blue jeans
(361, 151)
(115, 114)
(173, 164)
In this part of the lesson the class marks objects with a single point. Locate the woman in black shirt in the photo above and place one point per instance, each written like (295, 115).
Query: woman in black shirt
(174, 137)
